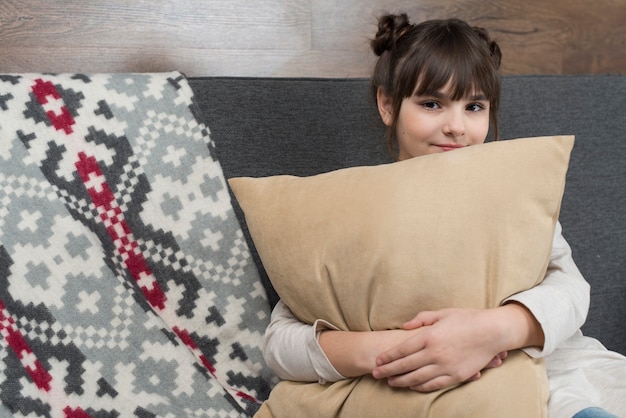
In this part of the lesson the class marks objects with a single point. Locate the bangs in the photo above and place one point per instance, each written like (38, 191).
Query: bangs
(450, 56)
(461, 75)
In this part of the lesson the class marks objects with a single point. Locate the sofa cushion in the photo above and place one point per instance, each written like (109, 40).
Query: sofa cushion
(366, 248)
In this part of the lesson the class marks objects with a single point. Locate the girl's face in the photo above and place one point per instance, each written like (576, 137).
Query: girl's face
(430, 124)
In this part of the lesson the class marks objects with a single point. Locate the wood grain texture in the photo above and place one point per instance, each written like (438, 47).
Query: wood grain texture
(291, 38)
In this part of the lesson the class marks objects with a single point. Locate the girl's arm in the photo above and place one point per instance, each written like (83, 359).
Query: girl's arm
(297, 351)
(291, 349)
(561, 302)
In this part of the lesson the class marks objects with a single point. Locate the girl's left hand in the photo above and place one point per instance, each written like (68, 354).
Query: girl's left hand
(453, 347)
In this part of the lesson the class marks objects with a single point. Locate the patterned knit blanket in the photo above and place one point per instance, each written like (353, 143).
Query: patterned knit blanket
(126, 285)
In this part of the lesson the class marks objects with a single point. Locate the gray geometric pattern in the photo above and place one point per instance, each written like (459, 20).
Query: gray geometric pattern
(126, 284)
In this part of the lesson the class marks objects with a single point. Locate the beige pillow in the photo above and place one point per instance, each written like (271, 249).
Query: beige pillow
(366, 248)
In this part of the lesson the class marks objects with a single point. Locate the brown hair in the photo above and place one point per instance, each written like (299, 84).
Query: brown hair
(422, 59)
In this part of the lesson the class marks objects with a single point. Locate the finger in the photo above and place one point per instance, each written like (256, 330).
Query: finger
(421, 319)
(415, 378)
(495, 362)
(474, 378)
(438, 383)
(408, 348)
(399, 366)
(441, 382)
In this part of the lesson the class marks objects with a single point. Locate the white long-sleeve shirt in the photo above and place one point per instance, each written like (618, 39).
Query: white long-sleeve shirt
(559, 303)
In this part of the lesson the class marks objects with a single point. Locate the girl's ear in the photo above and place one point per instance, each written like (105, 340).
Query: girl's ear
(385, 108)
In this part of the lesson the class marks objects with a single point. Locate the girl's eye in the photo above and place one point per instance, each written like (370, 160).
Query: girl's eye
(475, 107)
(430, 105)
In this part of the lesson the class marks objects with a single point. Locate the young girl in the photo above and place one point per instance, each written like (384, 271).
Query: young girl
(437, 88)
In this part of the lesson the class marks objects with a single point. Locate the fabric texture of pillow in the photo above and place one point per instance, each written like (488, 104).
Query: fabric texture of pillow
(366, 248)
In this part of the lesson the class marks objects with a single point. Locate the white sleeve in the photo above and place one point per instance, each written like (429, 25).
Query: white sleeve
(561, 301)
(291, 348)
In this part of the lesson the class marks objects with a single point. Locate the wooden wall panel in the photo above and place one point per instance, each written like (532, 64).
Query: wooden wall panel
(536, 36)
(314, 38)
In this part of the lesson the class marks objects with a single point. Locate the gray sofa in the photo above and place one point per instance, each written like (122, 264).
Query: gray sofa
(267, 126)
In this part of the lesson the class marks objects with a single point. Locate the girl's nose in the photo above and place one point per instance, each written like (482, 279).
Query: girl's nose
(454, 125)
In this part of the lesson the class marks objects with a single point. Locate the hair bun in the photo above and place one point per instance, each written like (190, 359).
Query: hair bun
(494, 48)
(390, 29)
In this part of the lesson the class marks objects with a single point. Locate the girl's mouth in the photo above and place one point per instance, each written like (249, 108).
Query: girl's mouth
(450, 147)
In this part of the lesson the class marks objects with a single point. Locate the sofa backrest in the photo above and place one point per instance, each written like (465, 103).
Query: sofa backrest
(593, 212)
(269, 126)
